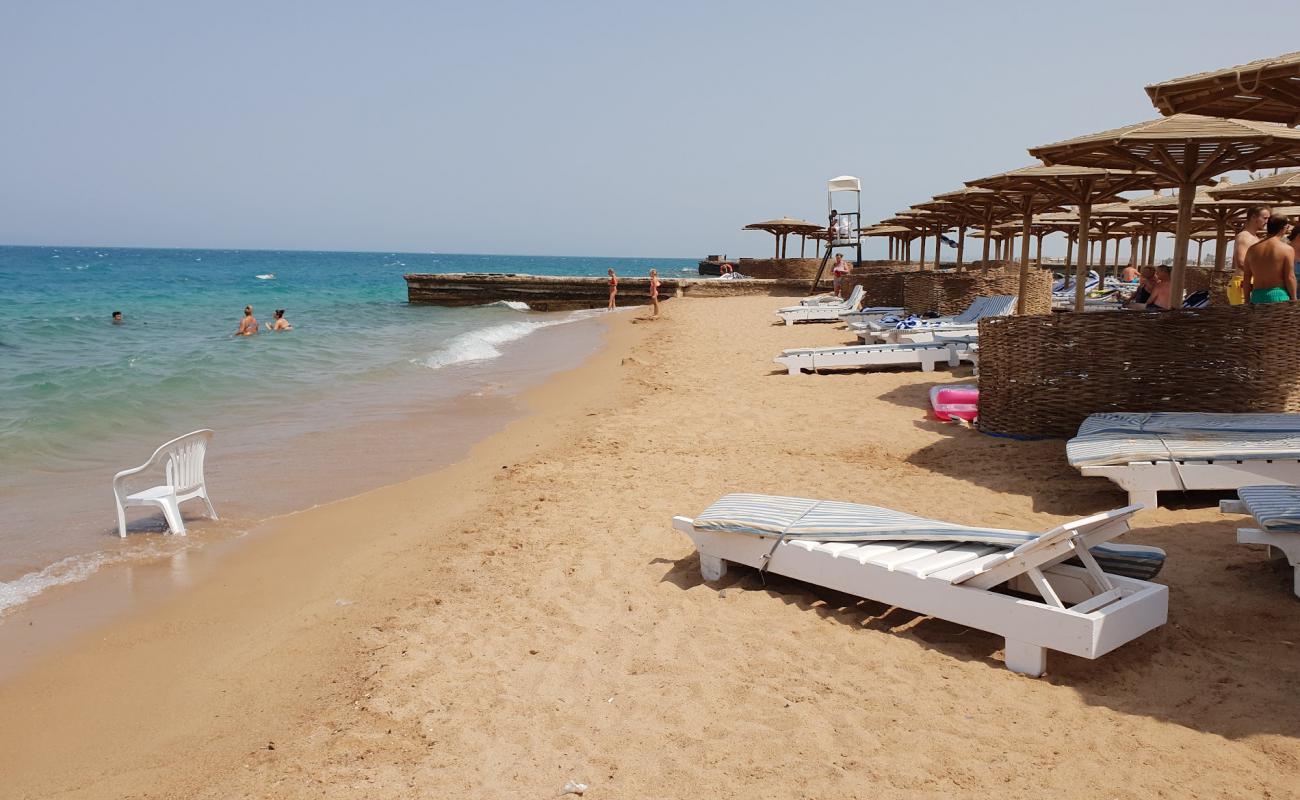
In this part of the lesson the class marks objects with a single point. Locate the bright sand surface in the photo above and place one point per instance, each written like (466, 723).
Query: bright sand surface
(527, 617)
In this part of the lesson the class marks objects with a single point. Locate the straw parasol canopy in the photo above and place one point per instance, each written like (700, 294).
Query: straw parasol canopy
(1283, 187)
(1041, 188)
(1183, 150)
(925, 222)
(1267, 90)
(984, 206)
(782, 228)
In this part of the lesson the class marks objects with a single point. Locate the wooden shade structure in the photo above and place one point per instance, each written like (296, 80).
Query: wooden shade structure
(1207, 205)
(980, 205)
(925, 222)
(1267, 90)
(1185, 150)
(1041, 188)
(782, 228)
(1281, 188)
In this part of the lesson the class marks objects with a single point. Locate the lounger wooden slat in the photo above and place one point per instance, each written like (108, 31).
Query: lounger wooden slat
(952, 557)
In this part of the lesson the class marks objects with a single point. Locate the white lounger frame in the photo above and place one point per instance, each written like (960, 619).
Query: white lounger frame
(1281, 544)
(927, 355)
(1083, 611)
(826, 312)
(1143, 480)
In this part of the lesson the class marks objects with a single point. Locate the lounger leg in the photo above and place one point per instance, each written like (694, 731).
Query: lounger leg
(1027, 659)
(788, 321)
(712, 568)
(1146, 497)
(121, 521)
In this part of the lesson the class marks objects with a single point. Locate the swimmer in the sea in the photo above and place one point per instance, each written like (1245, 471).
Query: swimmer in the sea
(247, 325)
(280, 324)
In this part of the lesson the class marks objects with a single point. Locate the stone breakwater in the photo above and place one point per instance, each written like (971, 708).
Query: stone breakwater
(552, 293)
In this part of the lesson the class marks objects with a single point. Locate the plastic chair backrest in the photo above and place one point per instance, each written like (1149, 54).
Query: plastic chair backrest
(183, 460)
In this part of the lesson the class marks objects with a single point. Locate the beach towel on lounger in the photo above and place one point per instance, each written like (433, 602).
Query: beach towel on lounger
(833, 521)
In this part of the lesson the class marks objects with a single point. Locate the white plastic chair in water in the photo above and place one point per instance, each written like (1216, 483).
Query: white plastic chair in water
(182, 460)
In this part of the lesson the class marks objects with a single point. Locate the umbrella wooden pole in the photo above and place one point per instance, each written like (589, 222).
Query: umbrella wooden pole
(1200, 246)
(777, 254)
(961, 244)
(1101, 260)
(923, 238)
(1151, 243)
(1081, 270)
(1186, 198)
(1038, 249)
(801, 244)
(1115, 262)
(938, 240)
(1133, 250)
(988, 236)
(1221, 244)
(1069, 250)
(1026, 226)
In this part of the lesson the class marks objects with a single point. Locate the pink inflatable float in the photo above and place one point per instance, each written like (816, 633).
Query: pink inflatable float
(959, 400)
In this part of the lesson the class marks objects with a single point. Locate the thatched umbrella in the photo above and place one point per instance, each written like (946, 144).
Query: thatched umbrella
(1185, 150)
(1143, 222)
(1041, 188)
(982, 205)
(782, 228)
(894, 232)
(1267, 90)
(1283, 187)
(926, 222)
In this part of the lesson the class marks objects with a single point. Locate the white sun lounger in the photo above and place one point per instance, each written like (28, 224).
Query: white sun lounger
(870, 314)
(1148, 453)
(1276, 510)
(821, 313)
(887, 329)
(948, 571)
(926, 355)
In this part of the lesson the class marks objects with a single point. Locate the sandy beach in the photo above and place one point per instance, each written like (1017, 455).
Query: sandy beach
(527, 616)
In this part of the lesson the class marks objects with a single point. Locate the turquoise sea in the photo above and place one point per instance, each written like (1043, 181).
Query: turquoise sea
(81, 397)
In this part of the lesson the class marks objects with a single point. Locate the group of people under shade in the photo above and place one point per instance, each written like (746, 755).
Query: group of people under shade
(1266, 253)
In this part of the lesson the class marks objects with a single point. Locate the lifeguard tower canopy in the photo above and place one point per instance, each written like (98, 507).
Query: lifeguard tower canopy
(844, 183)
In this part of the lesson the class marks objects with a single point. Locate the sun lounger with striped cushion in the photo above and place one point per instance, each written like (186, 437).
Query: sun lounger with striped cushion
(826, 312)
(1276, 510)
(1154, 452)
(955, 572)
(966, 322)
(926, 355)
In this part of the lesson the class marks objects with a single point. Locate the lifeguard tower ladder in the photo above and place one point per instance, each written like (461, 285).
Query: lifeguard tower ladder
(843, 232)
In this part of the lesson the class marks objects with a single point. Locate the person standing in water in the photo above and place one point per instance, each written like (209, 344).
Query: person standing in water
(280, 324)
(613, 288)
(247, 325)
(1268, 276)
(117, 317)
(654, 293)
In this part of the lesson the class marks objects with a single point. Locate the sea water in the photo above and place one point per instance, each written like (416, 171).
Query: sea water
(300, 416)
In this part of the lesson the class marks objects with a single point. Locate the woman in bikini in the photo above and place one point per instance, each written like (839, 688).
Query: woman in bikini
(613, 288)
(654, 293)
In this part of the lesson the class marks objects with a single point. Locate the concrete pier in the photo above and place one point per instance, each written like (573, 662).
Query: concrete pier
(558, 293)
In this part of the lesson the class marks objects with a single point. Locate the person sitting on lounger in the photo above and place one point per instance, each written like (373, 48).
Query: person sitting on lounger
(1146, 284)
(1268, 276)
(1130, 274)
(1162, 291)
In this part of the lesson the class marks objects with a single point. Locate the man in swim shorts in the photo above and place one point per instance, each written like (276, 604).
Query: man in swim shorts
(1268, 276)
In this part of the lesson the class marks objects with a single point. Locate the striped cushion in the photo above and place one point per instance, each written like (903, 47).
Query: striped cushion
(1173, 421)
(832, 521)
(1275, 508)
(1112, 448)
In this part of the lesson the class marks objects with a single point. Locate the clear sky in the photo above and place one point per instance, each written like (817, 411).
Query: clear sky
(601, 128)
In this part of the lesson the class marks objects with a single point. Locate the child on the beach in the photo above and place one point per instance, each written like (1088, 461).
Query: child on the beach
(654, 293)
(613, 288)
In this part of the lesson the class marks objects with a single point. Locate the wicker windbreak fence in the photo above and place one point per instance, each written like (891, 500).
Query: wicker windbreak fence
(1041, 376)
(953, 292)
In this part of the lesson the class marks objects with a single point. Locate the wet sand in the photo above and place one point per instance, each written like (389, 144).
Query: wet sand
(527, 616)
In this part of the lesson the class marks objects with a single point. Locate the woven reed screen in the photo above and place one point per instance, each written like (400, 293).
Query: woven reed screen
(1041, 376)
(952, 292)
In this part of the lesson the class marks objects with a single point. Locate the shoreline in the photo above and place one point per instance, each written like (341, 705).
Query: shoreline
(527, 616)
(150, 564)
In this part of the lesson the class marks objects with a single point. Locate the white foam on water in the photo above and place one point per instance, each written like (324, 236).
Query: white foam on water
(72, 569)
(270, 276)
(485, 344)
(514, 305)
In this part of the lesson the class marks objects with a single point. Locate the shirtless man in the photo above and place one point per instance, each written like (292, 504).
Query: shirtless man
(1256, 219)
(1161, 291)
(1130, 274)
(247, 325)
(1269, 273)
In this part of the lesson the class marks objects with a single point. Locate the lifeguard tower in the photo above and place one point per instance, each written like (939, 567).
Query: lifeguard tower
(843, 221)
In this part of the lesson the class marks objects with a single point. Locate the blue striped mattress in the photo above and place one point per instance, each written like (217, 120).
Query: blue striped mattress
(1275, 508)
(1117, 448)
(1181, 421)
(832, 521)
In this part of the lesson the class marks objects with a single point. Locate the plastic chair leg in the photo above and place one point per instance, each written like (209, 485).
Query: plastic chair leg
(212, 512)
(121, 521)
(172, 511)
